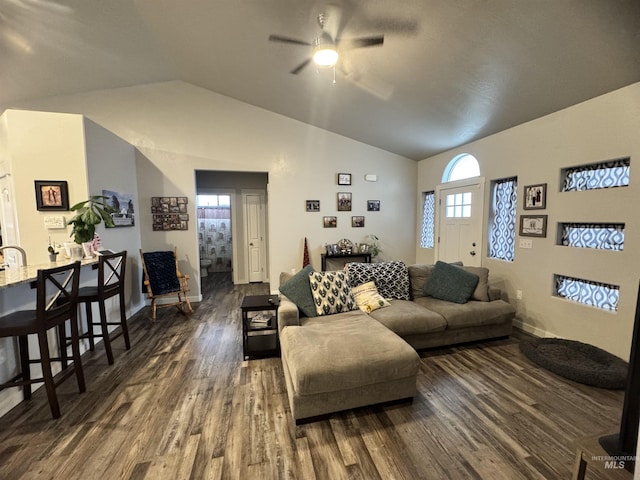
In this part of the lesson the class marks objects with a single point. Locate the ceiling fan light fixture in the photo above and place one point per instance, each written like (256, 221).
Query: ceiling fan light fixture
(325, 55)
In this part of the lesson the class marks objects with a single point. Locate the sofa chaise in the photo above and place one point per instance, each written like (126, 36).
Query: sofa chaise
(342, 350)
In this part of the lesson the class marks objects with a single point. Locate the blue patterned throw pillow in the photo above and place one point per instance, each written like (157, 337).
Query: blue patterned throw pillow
(331, 292)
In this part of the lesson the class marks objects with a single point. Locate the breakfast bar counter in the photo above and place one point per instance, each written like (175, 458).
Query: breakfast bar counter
(10, 277)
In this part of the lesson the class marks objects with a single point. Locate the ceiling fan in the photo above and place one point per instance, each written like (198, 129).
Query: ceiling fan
(326, 47)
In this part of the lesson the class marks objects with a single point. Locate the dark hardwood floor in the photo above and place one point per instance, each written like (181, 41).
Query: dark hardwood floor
(182, 404)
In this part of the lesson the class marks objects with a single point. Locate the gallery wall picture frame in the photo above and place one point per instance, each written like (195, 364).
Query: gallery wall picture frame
(535, 197)
(52, 195)
(344, 201)
(344, 179)
(330, 222)
(533, 225)
(373, 205)
(357, 221)
(313, 205)
(123, 204)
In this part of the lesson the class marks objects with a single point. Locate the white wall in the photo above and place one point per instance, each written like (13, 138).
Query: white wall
(179, 128)
(600, 129)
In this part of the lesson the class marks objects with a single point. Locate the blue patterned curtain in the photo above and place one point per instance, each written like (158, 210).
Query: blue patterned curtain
(428, 220)
(591, 235)
(601, 175)
(502, 227)
(594, 294)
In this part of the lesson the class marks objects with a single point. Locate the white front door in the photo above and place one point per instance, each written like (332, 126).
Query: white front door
(254, 209)
(459, 225)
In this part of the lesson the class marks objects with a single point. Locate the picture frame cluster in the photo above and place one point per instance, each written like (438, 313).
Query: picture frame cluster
(170, 213)
(344, 203)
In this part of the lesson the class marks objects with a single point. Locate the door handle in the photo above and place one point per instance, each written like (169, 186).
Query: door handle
(472, 253)
(251, 244)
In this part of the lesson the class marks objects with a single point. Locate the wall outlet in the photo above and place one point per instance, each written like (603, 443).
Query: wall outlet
(519, 294)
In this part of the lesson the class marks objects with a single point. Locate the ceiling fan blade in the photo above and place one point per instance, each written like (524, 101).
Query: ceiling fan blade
(299, 68)
(362, 42)
(280, 38)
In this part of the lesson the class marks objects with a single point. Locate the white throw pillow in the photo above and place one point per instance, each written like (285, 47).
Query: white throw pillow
(367, 297)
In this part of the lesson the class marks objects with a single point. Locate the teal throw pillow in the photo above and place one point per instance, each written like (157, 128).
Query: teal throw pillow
(450, 283)
(298, 290)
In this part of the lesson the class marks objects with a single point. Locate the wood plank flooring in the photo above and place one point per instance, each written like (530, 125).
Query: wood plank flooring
(182, 404)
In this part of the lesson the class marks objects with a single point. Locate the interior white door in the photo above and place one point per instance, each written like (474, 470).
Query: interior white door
(459, 225)
(255, 235)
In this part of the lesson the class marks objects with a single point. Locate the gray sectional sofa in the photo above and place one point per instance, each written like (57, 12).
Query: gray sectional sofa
(337, 361)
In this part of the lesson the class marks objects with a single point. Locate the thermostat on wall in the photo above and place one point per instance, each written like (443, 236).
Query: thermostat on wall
(53, 222)
(370, 177)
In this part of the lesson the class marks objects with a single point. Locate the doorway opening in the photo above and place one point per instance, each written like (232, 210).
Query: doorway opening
(214, 233)
(232, 225)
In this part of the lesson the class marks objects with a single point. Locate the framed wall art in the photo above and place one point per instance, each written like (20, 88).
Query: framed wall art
(122, 203)
(344, 179)
(52, 195)
(535, 197)
(533, 225)
(330, 222)
(373, 205)
(357, 221)
(313, 205)
(344, 201)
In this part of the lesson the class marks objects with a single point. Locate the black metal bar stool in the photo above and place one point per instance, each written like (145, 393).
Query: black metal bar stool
(111, 270)
(57, 294)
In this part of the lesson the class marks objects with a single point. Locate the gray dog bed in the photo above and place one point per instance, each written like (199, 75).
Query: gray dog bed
(577, 361)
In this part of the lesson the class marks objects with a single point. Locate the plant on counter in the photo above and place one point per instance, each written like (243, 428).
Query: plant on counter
(90, 213)
(51, 249)
(374, 246)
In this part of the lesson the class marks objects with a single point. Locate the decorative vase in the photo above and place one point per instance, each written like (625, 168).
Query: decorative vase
(75, 252)
(53, 257)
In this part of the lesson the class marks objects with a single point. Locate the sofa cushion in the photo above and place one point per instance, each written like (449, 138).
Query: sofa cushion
(481, 293)
(451, 283)
(298, 290)
(331, 292)
(391, 278)
(470, 314)
(405, 317)
(418, 275)
(343, 355)
(367, 297)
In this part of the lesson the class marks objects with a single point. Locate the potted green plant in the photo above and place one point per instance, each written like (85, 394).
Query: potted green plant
(90, 213)
(374, 246)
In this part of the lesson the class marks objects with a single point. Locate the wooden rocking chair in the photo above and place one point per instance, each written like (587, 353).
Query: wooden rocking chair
(162, 278)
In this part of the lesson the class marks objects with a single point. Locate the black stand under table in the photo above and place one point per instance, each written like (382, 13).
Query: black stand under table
(260, 326)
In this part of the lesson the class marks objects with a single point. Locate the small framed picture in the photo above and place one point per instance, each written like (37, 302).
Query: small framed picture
(533, 225)
(373, 205)
(535, 197)
(52, 195)
(344, 179)
(313, 205)
(357, 221)
(330, 222)
(344, 201)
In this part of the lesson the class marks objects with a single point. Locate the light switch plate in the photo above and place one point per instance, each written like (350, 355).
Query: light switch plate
(526, 243)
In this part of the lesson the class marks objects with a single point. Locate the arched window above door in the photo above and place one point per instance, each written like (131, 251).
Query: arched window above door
(460, 167)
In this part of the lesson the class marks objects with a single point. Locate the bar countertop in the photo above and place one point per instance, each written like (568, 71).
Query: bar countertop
(10, 277)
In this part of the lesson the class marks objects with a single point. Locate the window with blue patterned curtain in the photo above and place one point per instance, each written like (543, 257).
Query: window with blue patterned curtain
(502, 221)
(428, 220)
(609, 236)
(586, 292)
(610, 174)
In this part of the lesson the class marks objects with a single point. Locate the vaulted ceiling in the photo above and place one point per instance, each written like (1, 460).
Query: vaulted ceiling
(449, 72)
